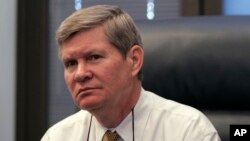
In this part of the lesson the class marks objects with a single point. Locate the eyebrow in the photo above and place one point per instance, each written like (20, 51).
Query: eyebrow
(82, 54)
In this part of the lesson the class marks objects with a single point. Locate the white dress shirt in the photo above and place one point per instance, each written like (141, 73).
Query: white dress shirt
(155, 119)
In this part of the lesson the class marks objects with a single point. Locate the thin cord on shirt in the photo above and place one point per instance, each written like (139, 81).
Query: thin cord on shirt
(89, 127)
(133, 125)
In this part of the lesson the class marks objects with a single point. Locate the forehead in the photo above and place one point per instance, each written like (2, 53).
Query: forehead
(91, 40)
(87, 37)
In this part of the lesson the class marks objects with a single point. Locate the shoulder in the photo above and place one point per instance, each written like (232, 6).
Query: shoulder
(80, 116)
(68, 125)
(180, 117)
(170, 107)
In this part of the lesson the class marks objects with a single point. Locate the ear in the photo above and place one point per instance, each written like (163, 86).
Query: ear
(136, 56)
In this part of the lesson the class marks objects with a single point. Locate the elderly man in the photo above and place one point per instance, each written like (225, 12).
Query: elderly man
(102, 54)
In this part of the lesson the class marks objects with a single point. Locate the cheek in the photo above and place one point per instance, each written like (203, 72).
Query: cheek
(115, 74)
(69, 81)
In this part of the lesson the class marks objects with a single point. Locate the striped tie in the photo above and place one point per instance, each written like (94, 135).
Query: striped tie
(110, 136)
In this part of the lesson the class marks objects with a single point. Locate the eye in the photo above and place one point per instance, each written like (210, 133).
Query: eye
(70, 63)
(94, 57)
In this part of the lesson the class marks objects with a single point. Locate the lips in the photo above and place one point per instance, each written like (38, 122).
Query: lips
(85, 91)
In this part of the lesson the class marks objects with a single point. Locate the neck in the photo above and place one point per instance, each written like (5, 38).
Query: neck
(118, 113)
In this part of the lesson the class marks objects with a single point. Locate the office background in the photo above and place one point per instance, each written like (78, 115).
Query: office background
(33, 95)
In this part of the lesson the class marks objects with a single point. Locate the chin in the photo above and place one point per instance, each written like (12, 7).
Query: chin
(89, 106)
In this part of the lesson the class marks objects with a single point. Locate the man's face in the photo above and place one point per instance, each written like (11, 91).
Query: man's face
(96, 73)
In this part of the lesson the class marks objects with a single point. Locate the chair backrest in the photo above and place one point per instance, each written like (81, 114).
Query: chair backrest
(201, 61)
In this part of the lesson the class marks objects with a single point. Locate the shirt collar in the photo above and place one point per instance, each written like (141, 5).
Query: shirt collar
(124, 129)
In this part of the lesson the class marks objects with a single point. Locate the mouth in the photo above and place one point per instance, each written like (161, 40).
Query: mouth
(85, 91)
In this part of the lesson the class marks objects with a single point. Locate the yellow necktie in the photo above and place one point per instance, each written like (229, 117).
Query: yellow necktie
(110, 136)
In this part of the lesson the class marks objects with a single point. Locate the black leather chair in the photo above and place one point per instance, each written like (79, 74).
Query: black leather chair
(203, 62)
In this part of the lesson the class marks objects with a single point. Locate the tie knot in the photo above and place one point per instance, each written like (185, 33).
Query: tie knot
(110, 136)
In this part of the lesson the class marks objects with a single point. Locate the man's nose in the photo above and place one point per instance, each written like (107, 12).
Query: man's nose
(82, 73)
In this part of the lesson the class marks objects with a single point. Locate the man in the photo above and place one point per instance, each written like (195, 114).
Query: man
(102, 54)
